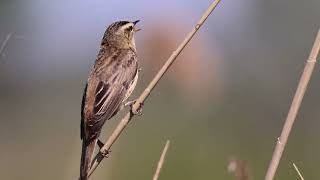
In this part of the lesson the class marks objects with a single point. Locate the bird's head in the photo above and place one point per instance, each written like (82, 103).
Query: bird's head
(121, 34)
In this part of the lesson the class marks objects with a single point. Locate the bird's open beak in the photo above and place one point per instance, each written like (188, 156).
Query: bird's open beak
(135, 22)
(136, 29)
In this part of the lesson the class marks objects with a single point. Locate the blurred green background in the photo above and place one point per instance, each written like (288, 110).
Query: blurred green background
(226, 96)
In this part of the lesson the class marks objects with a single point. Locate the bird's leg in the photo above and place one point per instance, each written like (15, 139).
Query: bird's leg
(104, 153)
(123, 105)
(129, 103)
(100, 143)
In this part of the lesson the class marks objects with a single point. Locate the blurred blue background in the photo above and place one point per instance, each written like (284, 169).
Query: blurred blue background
(226, 96)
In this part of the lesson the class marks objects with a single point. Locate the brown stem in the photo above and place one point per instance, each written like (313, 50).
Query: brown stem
(161, 160)
(303, 83)
(297, 170)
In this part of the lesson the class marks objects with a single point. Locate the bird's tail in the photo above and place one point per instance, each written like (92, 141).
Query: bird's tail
(86, 157)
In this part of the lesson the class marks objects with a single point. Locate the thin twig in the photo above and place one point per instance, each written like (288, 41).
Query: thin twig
(303, 83)
(296, 168)
(4, 44)
(161, 160)
(126, 119)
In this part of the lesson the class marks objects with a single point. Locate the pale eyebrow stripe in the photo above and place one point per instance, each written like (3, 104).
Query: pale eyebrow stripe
(127, 25)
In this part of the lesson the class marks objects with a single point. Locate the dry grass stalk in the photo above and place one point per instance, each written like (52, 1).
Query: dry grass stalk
(296, 168)
(303, 83)
(126, 119)
(4, 44)
(161, 160)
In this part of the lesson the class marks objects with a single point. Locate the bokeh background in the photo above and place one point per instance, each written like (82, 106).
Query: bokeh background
(226, 96)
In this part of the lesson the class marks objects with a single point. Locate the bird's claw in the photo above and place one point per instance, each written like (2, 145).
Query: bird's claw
(137, 111)
(105, 153)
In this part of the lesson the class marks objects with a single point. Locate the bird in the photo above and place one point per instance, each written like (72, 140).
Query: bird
(111, 81)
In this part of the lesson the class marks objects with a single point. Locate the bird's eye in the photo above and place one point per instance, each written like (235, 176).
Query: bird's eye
(130, 28)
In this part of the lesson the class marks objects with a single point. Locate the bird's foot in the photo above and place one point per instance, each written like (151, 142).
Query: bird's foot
(105, 153)
(136, 111)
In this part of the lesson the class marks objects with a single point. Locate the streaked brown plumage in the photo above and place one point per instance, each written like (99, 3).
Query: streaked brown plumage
(111, 81)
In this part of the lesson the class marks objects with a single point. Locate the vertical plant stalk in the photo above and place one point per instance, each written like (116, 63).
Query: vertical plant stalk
(296, 168)
(161, 161)
(4, 44)
(303, 83)
(126, 119)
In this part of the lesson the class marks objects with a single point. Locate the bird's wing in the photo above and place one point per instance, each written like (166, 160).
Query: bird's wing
(106, 90)
(82, 133)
